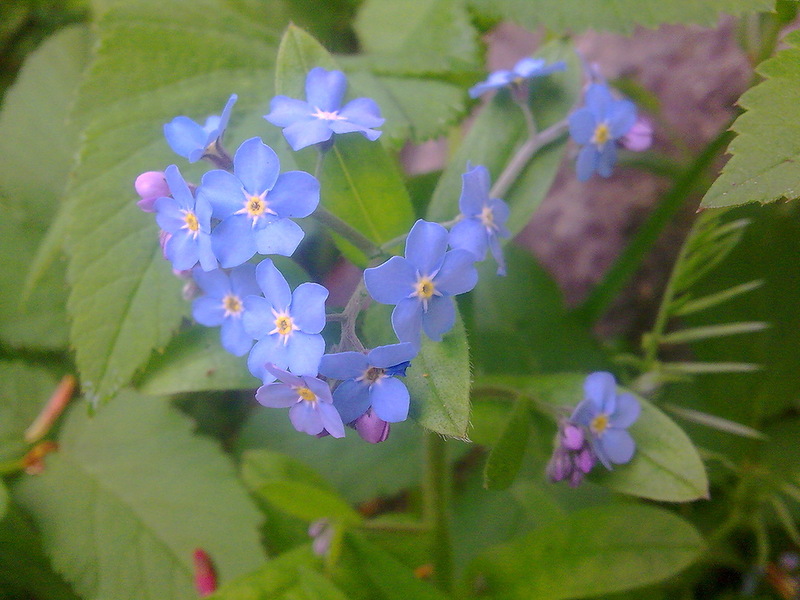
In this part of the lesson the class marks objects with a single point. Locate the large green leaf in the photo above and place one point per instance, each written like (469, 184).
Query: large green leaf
(124, 299)
(38, 147)
(666, 465)
(765, 161)
(505, 457)
(614, 15)
(592, 552)
(500, 129)
(129, 496)
(360, 183)
(24, 390)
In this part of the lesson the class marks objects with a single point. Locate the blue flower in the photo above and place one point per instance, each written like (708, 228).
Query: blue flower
(483, 219)
(597, 126)
(525, 69)
(369, 380)
(607, 415)
(309, 401)
(315, 121)
(422, 284)
(223, 304)
(255, 203)
(187, 221)
(192, 140)
(286, 324)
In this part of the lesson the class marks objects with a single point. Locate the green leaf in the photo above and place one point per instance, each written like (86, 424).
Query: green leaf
(129, 496)
(715, 422)
(497, 132)
(195, 361)
(3, 500)
(439, 381)
(666, 465)
(505, 457)
(360, 183)
(262, 467)
(592, 552)
(124, 299)
(38, 148)
(683, 336)
(24, 391)
(614, 15)
(308, 502)
(421, 36)
(394, 580)
(765, 161)
(686, 306)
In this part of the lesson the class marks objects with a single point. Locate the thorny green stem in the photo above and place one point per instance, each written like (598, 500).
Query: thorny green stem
(523, 156)
(437, 491)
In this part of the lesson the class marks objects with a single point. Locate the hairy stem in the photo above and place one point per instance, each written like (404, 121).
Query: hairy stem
(436, 488)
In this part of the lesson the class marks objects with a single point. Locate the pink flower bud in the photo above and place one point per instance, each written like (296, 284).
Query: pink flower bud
(205, 575)
(371, 427)
(640, 136)
(150, 186)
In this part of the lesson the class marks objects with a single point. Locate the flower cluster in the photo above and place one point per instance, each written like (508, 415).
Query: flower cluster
(597, 430)
(212, 231)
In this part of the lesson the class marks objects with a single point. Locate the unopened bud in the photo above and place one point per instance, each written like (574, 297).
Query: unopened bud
(150, 186)
(205, 575)
(573, 456)
(639, 137)
(371, 427)
(321, 531)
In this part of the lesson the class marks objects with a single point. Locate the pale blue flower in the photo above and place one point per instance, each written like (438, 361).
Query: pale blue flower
(192, 140)
(525, 70)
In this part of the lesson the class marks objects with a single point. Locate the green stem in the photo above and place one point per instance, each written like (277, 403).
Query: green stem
(436, 488)
(352, 235)
(632, 256)
(523, 156)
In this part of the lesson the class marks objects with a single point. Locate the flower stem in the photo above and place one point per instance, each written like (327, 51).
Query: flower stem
(352, 235)
(523, 156)
(349, 339)
(436, 488)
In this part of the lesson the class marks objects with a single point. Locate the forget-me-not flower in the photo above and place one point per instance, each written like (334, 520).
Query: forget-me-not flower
(286, 324)
(255, 204)
(597, 126)
(222, 304)
(322, 114)
(607, 416)
(526, 69)
(187, 223)
(483, 219)
(192, 140)
(573, 456)
(422, 284)
(370, 380)
(308, 399)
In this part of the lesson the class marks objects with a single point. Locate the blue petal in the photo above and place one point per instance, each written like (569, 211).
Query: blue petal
(621, 117)
(528, 67)
(601, 388)
(331, 420)
(497, 254)
(618, 445)
(390, 400)
(257, 318)
(177, 186)
(277, 395)
(392, 281)
(407, 320)
(587, 162)
(325, 89)
(363, 112)
(475, 185)
(222, 125)
(344, 365)
(295, 194)
(279, 237)
(606, 159)
(598, 100)
(233, 337)
(469, 235)
(223, 191)
(384, 357)
(169, 215)
(308, 307)
(458, 274)
(582, 124)
(268, 350)
(184, 135)
(626, 413)
(304, 353)
(306, 133)
(584, 412)
(256, 165)
(243, 280)
(205, 253)
(349, 127)
(285, 111)
(425, 246)
(208, 311)
(305, 418)
(233, 241)
(439, 318)
(181, 251)
(351, 398)
(320, 388)
(273, 284)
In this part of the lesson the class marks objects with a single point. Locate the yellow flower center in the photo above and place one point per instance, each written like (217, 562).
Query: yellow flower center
(601, 134)
(373, 374)
(190, 222)
(487, 218)
(306, 394)
(599, 424)
(425, 288)
(232, 305)
(255, 206)
(284, 325)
